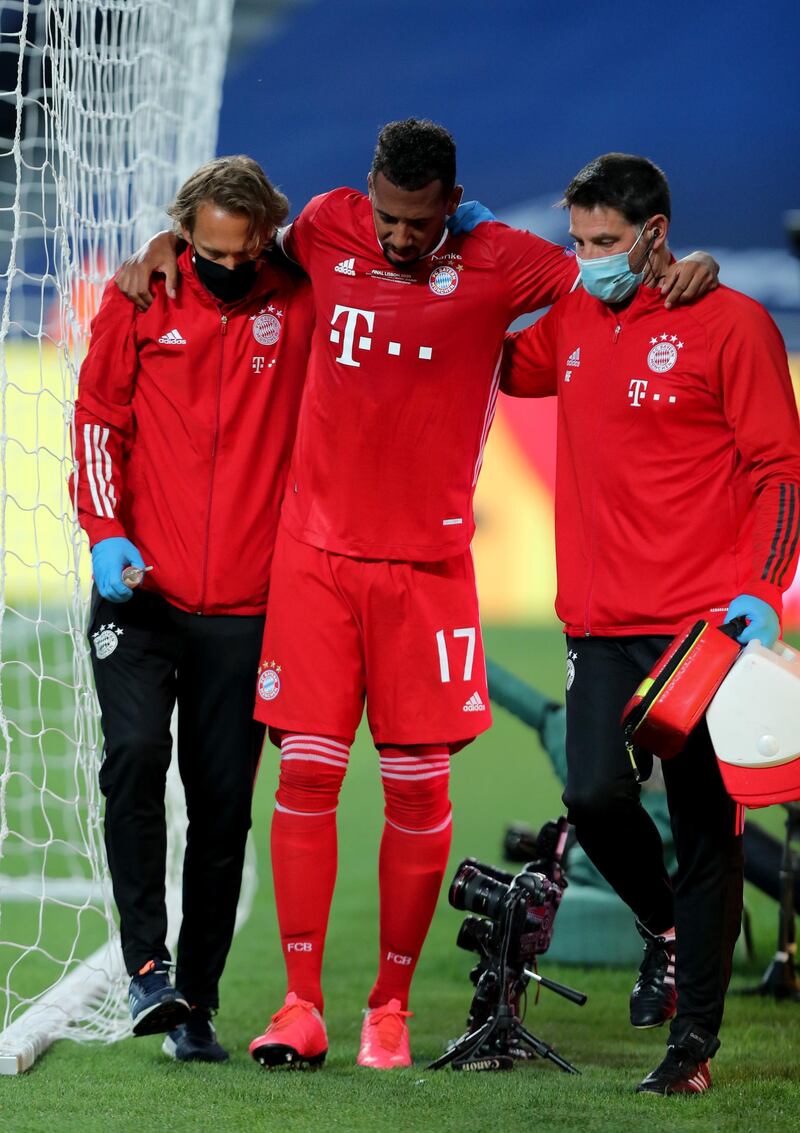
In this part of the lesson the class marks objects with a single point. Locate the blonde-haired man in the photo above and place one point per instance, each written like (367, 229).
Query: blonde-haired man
(183, 430)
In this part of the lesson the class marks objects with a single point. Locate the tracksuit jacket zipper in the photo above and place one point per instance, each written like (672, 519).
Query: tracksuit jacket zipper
(215, 437)
(587, 627)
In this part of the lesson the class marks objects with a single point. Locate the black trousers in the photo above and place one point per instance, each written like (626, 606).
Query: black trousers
(146, 656)
(602, 797)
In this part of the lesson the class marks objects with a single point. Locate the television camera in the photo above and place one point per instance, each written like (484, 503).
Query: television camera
(511, 924)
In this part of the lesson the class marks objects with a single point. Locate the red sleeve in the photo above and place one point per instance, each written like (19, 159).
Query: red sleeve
(752, 375)
(297, 239)
(104, 416)
(534, 271)
(529, 360)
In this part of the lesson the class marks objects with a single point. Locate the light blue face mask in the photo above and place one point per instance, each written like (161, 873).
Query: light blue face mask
(609, 278)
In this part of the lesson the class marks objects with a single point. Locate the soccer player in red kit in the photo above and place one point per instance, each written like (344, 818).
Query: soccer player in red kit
(373, 592)
(374, 583)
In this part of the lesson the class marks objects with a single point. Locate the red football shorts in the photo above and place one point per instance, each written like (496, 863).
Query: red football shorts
(405, 636)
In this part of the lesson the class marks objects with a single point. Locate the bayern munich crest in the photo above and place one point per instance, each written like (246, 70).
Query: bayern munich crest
(266, 330)
(269, 683)
(663, 353)
(106, 641)
(443, 280)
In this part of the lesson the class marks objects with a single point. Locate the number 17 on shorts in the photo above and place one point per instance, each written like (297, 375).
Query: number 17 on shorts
(458, 647)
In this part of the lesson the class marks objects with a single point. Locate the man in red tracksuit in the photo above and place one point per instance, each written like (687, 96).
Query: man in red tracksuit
(183, 430)
(677, 498)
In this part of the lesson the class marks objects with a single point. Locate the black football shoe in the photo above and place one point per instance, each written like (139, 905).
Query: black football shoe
(685, 1066)
(679, 1073)
(195, 1040)
(654, 996)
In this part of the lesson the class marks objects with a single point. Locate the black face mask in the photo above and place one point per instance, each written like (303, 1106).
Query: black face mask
(229, 285)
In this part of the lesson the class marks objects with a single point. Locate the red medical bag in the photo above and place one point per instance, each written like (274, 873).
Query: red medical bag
(671, 701)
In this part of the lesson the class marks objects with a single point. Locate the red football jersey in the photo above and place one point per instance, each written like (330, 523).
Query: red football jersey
(403, 377)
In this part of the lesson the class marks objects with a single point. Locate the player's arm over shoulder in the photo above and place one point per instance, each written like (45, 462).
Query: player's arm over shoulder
(529, 359)
(297, 239)
(534, 271)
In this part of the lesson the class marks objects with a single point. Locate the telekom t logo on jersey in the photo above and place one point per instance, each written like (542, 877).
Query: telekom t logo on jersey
(638, 391)
(347, 335)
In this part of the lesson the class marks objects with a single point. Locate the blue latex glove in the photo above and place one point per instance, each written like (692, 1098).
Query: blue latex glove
(109, 559)
(764, 625)
(468, 216)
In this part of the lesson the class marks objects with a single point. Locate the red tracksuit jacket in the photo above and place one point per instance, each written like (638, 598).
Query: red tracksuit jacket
(184, 426)
(678, 461)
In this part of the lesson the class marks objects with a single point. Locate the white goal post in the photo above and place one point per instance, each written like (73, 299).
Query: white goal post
(105, 107)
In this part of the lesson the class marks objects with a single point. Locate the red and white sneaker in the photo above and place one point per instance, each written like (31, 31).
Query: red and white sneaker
(384, 1037)
(295, 1038)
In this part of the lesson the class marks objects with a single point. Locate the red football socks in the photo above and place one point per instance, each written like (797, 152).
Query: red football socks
(413, 860)
(413, 857)
(304, 854)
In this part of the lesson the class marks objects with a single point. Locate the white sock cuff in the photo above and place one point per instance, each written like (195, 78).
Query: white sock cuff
(433, 829)
(304, 813)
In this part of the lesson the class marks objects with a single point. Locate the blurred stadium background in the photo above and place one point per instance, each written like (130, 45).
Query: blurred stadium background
(530, 91)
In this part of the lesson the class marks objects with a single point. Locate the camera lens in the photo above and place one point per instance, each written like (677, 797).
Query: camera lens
(474, 934)
(474, 892)
(489, 870)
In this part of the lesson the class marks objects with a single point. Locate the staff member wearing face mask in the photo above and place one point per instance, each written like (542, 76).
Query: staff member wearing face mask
(677, 498)
(184, 426)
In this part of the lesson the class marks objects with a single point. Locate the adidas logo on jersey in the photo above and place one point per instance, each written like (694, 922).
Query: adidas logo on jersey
(173, 338)
(346, 267)
(475, 704)
(574, 359)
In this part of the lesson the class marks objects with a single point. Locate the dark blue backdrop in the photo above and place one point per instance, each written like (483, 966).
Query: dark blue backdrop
(710, 90)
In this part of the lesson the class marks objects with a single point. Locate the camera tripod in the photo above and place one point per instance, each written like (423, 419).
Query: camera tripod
(780, 979)
(501, 1039)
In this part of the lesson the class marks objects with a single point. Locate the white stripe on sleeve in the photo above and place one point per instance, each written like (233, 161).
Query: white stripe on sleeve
(88, 450)
(99, 437)
(108, 471)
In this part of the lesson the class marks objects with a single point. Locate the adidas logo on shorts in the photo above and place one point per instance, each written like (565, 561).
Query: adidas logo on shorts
(475, 704)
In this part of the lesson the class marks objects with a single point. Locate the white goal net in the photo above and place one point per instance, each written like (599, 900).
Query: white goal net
(105, 107)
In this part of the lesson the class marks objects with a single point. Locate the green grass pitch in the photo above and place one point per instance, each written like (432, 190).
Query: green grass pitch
(131, 1087)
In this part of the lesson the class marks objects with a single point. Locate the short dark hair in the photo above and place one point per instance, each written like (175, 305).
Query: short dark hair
(236, 184)
(413, 153)
(634, 186)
